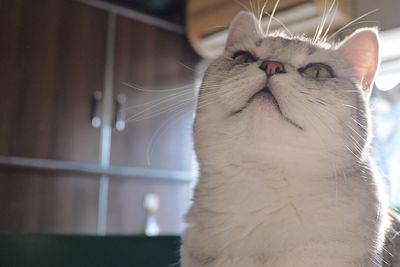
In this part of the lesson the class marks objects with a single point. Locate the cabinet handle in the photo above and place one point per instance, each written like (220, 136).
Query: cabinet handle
(95, 116)
(120, 112)
(151, 205)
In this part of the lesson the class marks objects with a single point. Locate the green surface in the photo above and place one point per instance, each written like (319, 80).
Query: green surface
(88, 251)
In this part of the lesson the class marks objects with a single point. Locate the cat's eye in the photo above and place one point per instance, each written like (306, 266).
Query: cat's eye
(317, 71)
(244, 57)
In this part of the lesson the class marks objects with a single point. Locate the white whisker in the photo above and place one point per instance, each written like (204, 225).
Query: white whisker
(280, 23)
(160, 111)
(350, 106)
(323, 38)
(155, 101)
(242, 5)
(319, 25)
(351, 22)
(260, 16)
(159, 132)
(141, 88)
(272, 15)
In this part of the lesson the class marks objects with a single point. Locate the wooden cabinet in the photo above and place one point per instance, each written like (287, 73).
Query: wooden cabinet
(154, 66)
(52, 60)
(53, 57)
(153, 70)
(47, 202)
(126, 214)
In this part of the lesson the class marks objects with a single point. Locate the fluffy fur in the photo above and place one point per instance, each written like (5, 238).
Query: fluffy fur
(291, 184)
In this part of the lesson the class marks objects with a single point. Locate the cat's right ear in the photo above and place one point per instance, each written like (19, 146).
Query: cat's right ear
(243, 25)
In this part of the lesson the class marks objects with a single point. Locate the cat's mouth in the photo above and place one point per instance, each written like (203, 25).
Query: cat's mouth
(266, 94)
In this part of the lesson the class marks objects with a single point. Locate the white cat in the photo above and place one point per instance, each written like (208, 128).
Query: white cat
(282, 135)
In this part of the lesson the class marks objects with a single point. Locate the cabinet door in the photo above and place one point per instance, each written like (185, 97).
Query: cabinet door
(154, 71)
(151, 67)
(127, 214)
(47, 202)
(52, 59)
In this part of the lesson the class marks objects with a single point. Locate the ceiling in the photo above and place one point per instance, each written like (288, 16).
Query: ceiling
(174, 10)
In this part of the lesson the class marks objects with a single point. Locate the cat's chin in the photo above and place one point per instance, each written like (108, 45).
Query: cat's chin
(265, 94)
(266, 97)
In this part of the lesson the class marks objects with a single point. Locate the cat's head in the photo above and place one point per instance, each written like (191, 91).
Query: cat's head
(286, 100)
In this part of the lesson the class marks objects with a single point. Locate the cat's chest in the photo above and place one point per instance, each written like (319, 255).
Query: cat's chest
(240, 217)
(257, 194)
(269, 213)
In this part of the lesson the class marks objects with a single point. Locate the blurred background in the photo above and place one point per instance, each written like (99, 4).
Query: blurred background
(97, 100)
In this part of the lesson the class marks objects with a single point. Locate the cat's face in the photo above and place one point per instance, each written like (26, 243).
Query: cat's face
(283, 99)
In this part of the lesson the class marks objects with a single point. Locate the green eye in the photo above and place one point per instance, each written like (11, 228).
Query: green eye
(317, 71)
(244, 57)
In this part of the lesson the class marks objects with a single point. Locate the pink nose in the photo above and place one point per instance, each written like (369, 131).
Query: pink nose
(272, 67)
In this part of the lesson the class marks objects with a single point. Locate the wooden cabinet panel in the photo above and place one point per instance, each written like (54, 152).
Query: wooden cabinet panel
(126, 213)
(47, 202)
(52, 59)
(158, 130)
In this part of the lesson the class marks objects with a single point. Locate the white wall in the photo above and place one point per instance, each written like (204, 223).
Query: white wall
(388, 15)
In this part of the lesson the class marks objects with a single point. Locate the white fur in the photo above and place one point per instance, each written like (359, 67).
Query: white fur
(270, 193)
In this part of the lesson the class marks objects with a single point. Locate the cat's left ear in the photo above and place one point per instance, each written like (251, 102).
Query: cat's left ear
(361, 51)
(242, 26)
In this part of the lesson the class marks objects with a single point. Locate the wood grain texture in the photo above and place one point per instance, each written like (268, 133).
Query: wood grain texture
(47, 202)
(52, 59)
(154, 59)
(126, 213)
(52, 55)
